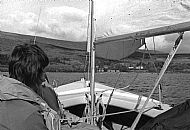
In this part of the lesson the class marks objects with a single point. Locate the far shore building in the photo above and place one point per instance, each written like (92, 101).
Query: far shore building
(113, 70)
(131, 67)
(139, 67)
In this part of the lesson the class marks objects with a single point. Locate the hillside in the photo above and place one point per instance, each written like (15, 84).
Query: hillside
(64, 55)
(71, 56)
(160, 56)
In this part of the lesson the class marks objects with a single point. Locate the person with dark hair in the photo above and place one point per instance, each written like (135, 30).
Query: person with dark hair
(26, 100)
(25, 106)
(27, 63)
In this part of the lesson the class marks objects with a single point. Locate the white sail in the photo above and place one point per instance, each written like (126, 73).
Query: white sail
(116, 17)
(121, 46)
(118, 49)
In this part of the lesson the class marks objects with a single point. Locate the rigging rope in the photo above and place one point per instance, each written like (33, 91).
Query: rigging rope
(154, 45)
(151, 59)
(165, 66)
(104, 112)
(85, 65)
(111, 114)
(37, 26)
(159, 91)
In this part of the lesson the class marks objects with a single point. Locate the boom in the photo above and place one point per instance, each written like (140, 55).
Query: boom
(181, 27)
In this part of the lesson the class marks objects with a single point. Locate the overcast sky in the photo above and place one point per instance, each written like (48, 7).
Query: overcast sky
(67, 19)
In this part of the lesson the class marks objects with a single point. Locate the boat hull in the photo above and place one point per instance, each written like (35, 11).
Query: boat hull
(72, 96)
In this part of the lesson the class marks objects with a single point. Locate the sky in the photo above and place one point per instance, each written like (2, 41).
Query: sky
(68, 19)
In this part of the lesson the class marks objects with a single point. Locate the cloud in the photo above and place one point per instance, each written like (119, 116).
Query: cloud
(159, 43)
(66, 23)
(66, 13)
(164, 43)
(18, 21)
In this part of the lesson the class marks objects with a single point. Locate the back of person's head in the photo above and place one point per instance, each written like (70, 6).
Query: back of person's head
(27, 63)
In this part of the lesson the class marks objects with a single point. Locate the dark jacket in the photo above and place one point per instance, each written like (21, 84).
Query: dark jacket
(49, 95)
(177, 118)
(18, 107)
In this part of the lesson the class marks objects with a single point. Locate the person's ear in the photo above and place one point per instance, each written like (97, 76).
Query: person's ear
(43, 77)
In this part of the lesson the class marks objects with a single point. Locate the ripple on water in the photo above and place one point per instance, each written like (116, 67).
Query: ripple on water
(175, 86)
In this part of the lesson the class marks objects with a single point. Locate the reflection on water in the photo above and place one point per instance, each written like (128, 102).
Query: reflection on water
(175, 86)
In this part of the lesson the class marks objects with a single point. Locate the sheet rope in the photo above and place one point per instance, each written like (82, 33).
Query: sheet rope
(110, 114)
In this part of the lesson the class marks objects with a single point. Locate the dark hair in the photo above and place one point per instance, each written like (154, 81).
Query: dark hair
(27, 63)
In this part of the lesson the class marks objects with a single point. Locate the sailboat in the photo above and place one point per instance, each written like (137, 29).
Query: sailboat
(123, 106)
(117, 109)
(116, 34)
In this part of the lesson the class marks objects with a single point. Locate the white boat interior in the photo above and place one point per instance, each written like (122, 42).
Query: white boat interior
(122, 109)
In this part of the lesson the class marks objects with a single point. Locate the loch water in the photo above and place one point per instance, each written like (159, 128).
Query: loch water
(175, 86)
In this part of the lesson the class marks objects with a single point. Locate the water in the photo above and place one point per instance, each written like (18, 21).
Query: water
(175, 86)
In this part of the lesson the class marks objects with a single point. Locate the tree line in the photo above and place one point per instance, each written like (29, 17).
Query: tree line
(73, 65)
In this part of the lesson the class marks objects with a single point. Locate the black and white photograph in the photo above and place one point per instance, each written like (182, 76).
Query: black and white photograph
(94, 64)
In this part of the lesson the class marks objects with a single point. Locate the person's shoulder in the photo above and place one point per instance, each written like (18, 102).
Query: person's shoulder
(21, 107)
(35, 122)
(33, 119)
(22, 115)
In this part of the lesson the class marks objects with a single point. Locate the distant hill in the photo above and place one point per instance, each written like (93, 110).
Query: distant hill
(27, 38)
(71, 56)
(59, 51)
(64, 55)
(52, 47)
(159, 56)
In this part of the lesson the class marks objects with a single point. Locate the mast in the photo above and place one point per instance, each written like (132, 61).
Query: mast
(92, 59)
